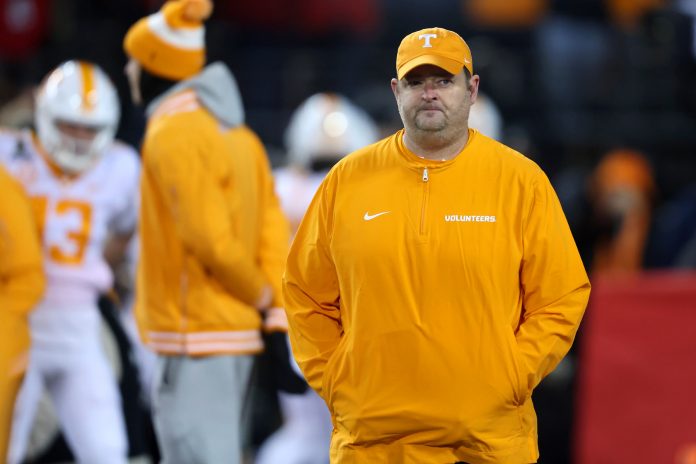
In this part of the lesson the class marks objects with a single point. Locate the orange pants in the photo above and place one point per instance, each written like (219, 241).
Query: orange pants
(14, 354)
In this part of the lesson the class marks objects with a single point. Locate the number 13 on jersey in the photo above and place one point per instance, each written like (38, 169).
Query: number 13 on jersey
(69, 223)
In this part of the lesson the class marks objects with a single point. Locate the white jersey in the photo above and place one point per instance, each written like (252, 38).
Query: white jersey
(76, 215)
(295, 190)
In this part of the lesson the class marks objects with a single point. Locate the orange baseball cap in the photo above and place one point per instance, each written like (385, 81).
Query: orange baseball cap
(440, 47)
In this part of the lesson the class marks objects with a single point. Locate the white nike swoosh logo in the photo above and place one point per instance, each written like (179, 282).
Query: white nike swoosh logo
(369, 217)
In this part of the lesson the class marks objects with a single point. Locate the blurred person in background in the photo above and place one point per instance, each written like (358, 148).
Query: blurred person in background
(622, 193)
(22, 283)
(213, 238)
(434, 280)
(83, 187)
(485, 117)
(322, 130)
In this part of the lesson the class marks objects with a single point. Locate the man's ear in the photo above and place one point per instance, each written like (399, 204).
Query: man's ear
(474, 82)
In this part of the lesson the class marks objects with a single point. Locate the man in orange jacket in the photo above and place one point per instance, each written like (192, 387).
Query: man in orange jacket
(434, 281)
(213, 239)
(22, 284)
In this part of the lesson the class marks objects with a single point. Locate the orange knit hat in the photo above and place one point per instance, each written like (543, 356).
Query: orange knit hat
(171, 42)
(624, 168)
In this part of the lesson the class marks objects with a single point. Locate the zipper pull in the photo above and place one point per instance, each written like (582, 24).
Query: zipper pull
(425, 174)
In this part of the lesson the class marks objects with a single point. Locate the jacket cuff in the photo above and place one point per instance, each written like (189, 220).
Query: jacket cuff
(275, 320)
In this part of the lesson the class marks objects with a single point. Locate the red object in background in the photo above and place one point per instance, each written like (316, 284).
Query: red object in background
(306, 17)
(636, 400)
(23, 26)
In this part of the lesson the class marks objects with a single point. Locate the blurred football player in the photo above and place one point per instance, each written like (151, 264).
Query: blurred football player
(322, 130)
(485, 117)
(83, 187)
(22, 283)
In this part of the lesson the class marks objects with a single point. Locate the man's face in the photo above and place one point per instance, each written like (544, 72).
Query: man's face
(432, 101)
(133, 72)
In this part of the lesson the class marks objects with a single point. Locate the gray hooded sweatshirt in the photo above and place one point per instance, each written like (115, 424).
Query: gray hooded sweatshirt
(217, 91)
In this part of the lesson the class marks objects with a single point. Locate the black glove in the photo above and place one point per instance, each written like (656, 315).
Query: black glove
(275, 364)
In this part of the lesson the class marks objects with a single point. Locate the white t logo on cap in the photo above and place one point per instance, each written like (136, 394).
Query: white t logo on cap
(427, 38)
